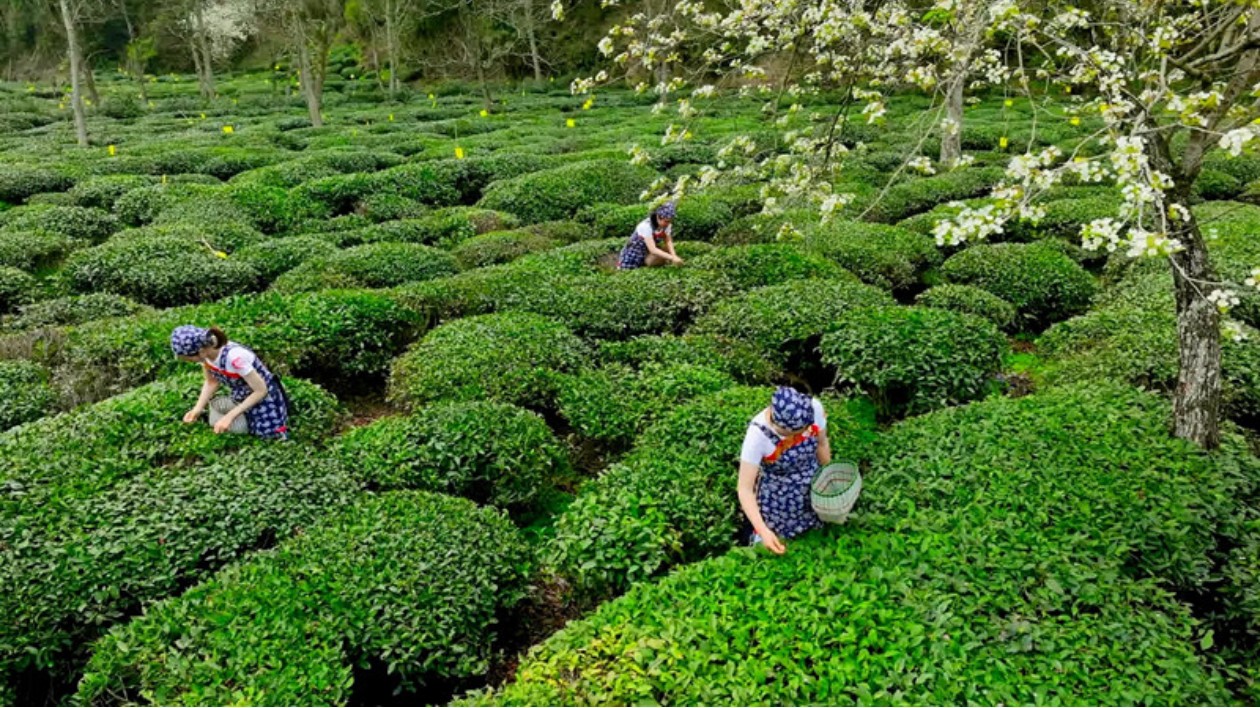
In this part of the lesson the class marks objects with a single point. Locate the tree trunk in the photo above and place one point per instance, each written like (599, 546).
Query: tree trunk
(1197, 402)
(202, 43)
(309, 89)
(76, 60)
(89, 79)
(196, 57)
(479, 66)
(951, 140)
(534, 57)
(391, 45)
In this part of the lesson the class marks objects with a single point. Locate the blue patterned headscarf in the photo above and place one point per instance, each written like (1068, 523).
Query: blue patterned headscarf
(666, 211)
(188, 340)
(792, 409)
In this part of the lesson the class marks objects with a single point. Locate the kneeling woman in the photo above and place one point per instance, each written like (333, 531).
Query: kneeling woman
(785, 445)
(258, 393)
(652, 243)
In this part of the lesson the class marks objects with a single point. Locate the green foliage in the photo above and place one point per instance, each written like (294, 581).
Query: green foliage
(162, 271)
(492, 453)
(758, 265)
(559, 192)
(672, 500)
(90, 561)
(444, 228)
(731, 357)
(103, 192)
(24, 393)
(499, 247)
(509, 357)
(278, 256)
(864, 616)
(369, 585)
(79, 223)
(785, 322)
(72, 310)
(16, 289)
(373, 265)
(699, 218)
(387, 207)
(616, 404)
(18, 182)
(31, 250)
(884, 256)
(969, 300)
(921, 194)
(912, 360)
(1214, 184)
(1044, 285)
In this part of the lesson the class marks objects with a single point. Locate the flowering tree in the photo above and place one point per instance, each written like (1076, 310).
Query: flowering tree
(1158, 72)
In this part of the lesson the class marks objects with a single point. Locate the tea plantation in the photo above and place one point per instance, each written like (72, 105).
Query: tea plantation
(512, 478)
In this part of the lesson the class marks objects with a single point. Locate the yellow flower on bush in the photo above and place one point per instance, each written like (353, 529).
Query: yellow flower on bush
(570, 123)
(459, 153)
(1075, 120)
(228, 130)
(589, 102)
(485, 113)
(1003, 142)
(113, 150)
(1008, 103)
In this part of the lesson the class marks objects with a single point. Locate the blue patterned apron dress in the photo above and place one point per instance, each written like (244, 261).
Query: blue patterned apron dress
(268, 419)
(783, 485)
(634, 255)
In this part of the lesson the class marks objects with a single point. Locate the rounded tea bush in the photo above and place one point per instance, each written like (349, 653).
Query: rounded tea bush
(31, 250)
(18, 182)
(911, 360)
(762, 264)
(1043, 284)
(382, 265)
(17, 288)
(970, 300)
(83, 224)
(102, 192)
(492, 453)
(888, 257)
(558, 193)
(784, 322)
(73, 310)
(508, 357)
(24, 393)
(277, 256)
(162, 271)
(499, 247)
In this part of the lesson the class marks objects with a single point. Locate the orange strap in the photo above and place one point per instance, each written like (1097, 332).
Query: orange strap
(225, 372)
(788, 443)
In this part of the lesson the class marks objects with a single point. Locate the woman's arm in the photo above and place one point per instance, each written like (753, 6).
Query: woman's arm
(259, 392)
(824, 448)
(669, 245)
(748, 502)
(208, 387)
(658, 251)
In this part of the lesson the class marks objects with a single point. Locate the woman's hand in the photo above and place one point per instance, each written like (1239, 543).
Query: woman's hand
(772, 542)
(224, 424)
(192, 415)
(678, 261)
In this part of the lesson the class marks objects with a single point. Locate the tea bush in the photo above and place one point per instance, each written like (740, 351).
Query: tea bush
(24, 393)
(969, 300)
(499, 247)
(72, 310)
(18, 182)
(33, 250)
(509, 357)
(226, 236)
(93, 561)
(921, 194)
(759, 265)
(492, 453)
(785, 321)
(884, 256)
(363, 587)
(699, 218)
(375, 265)
(737, 359)
(79, 223)
(16, 289)
(444, 228)
(912, 360)
(278, 256)
(918, 627)
(162, 271)
(104, 191)
(616, 404)
(1044, 285)
(387, 207)
(558, 193)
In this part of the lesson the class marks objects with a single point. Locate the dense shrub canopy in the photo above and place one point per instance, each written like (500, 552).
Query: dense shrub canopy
(1043, 284)
(559, 192)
